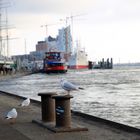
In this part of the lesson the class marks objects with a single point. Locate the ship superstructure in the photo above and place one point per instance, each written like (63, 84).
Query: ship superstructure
(54, 63)
(78, 59)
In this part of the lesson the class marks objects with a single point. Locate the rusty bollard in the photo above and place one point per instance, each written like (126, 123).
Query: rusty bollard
(62, 110)
(47, 106)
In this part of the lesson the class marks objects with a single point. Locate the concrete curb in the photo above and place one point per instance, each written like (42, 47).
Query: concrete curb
(108, 122)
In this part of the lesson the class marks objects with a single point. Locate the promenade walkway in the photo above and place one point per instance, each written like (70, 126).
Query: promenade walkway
(24, 129)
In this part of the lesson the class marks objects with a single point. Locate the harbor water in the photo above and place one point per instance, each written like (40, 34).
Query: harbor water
(110, 94)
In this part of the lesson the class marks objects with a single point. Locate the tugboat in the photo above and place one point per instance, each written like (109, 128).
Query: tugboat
(54, 63)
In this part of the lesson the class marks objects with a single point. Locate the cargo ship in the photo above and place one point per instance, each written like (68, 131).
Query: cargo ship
(54, 63)
(78, 60)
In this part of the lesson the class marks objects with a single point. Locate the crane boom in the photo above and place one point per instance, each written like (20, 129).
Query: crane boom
(46, 26)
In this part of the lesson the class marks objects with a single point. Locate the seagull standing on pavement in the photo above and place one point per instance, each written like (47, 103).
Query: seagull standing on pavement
(12, 114)
(26, 102)
(68, 86)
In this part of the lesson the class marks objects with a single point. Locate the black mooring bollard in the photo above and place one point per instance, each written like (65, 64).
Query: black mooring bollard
(56, 113)
(48, 106)
(62, 110)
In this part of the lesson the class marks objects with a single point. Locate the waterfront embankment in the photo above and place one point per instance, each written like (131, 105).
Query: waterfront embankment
(13, 75)
(24, 129)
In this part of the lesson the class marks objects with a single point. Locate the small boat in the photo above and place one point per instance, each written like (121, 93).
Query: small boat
(54, 63)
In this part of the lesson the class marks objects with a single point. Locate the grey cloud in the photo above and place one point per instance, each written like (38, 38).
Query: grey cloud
(99, 11)
(50, 6)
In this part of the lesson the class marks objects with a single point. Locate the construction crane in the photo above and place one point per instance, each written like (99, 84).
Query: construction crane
(71, 18)
(46, 26)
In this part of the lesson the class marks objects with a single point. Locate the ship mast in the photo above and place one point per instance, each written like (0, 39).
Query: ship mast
(0, 28)
(7, 35)
(4, 5)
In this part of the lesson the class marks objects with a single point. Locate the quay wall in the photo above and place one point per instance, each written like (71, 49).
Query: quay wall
(86, 116)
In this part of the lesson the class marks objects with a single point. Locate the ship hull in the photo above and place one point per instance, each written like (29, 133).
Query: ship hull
(56, 69)
(78, 67)
(78, 61)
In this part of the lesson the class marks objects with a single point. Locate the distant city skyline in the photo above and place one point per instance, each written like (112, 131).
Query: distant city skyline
(106, 28)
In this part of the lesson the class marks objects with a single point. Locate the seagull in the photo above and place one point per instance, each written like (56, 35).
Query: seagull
(26, 102)
(68, 86)
(12, 114)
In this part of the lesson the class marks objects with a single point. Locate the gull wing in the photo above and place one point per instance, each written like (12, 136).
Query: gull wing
(69, 86)
(26, 102)
(12, 114)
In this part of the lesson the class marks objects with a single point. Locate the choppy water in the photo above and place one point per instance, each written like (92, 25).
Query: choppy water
(110, 94)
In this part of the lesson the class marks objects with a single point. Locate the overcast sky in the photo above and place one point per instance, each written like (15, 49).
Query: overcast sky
(106, 28)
